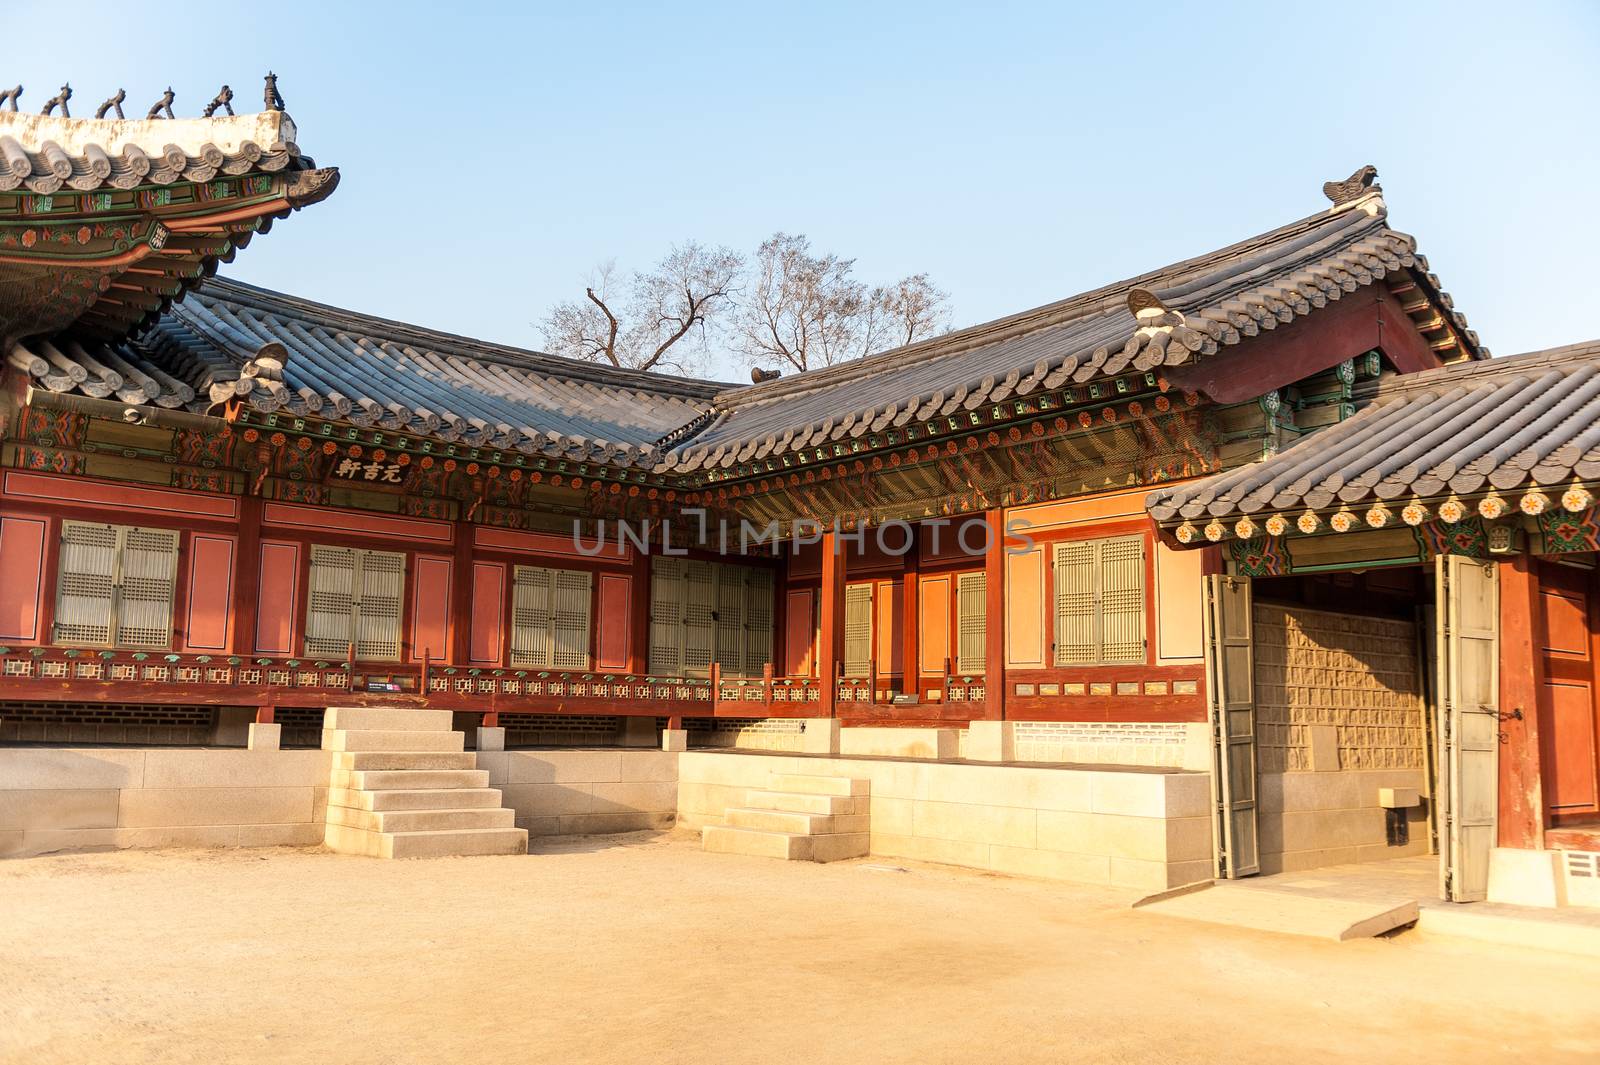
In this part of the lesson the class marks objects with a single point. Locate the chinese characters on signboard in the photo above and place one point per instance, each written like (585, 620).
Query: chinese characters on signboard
(375, 472)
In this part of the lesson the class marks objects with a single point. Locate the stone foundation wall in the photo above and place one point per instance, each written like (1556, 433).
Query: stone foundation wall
(1142, 830)
(55, 799)
(583, 792)
(1307, 820)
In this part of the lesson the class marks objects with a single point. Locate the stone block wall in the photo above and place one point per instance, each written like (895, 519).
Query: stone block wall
(1307, 820)
(584, 792)
(55, 799)
(1143, 830)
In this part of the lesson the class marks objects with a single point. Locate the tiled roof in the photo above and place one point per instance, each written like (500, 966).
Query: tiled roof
(274, 352)
(45, 153)
(1180, 312)
(1524, 422)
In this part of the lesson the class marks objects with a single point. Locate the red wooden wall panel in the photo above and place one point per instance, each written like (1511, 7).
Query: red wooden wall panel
(22, 551)
(430, 609)
(279, 600)
(615, 622)
(799, 632)
(488, 612)
(210, 610)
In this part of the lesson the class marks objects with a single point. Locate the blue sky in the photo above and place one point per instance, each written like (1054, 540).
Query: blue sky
(493, 154)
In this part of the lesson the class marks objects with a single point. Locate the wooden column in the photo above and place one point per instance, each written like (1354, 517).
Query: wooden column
(910, 660)
(994, 646)
(247, 578)
(830, 645)
(460, 649)
(1522, 805)
(639, 635)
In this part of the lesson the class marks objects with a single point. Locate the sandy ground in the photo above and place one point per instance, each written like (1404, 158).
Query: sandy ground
(643, 949)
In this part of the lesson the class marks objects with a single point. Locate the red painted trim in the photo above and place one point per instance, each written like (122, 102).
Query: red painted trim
(548, 545)
(1521, 814)
(1361, 321)
(639, 645)
(356, 522)
(487, 614)
(283, 560)
(86, 492)
(24, 544)
(210, 590)
(613, 649)
(438, 647)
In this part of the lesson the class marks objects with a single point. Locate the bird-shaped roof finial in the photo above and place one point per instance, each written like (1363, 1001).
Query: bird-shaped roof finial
(1353, 186)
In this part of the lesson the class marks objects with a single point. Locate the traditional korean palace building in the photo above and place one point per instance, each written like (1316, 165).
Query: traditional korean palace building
(1357, 617)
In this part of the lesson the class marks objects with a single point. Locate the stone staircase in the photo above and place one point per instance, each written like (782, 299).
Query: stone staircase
(403, 786)
(799, 817)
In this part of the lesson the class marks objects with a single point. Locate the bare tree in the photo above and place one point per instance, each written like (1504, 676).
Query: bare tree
(655, 320)
(808, 311)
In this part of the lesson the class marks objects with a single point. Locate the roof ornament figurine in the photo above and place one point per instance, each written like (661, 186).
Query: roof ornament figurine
(1352, 187)
(113, 103)
(758, 375)
(59, 100)
(162, 108)
(223, 99)
(11, 96)
(270, 96)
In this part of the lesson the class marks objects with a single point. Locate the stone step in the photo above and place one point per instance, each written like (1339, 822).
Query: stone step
(756, 842)
(816, 784)
(391, 821)
(420, 799)
(405, 760)
(455, 843)
(394, 719)
(390, 740)
(409, 779)
(797, 802)
(790, 821)
(840, 846)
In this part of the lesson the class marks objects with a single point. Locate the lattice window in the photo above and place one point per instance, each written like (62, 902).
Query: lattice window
(972, 606)
(857, 630)
(758, 621)
(1100, 601)
(116, 585)
(666, 615)
(699, 615)
(550, 618)
(354, 597)
(704, 611)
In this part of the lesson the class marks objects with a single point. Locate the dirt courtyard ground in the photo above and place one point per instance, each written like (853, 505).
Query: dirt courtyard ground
(644, 949)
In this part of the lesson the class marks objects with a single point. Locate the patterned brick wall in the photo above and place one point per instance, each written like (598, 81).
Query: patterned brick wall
(1100, 742)
(106, 723)
(1359, 674)
(753, 733)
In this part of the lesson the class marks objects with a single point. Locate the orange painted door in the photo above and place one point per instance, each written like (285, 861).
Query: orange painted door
(1569, 732)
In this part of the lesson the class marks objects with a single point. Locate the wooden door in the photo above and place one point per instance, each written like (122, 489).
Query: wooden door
(1230, 691)
(1569, 729)
(1468, 640)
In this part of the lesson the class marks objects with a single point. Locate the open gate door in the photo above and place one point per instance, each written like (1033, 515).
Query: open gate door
(1230, 693)
(1469, 723)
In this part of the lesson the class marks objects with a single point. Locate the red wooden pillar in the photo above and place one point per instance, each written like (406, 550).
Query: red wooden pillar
(910, 653)
(830, 645)
(1522, 805)
(247, 578)
(460, 649)
(639, 634)
(994, 638)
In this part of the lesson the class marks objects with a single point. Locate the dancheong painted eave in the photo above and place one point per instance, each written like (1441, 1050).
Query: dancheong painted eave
(1527, 426)
(105, 221)
(1168, 318)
